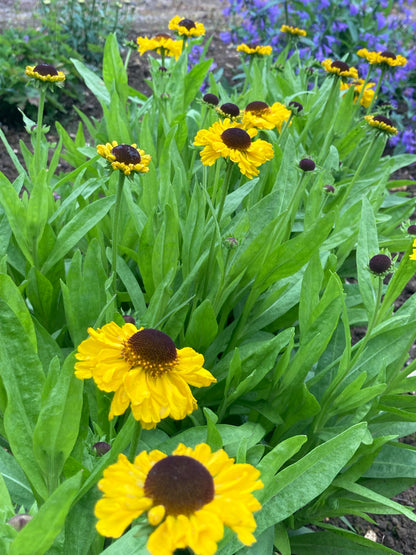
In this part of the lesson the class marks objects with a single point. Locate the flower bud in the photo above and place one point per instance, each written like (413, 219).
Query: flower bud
(307, 165)
(101, 448)
(19, 521)
(380, 264)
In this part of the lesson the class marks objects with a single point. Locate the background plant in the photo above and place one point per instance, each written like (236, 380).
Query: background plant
(22, 47)
(84, 25)
(338, 30)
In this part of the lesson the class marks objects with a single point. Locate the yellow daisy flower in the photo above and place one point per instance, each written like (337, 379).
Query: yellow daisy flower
(367, 95)
(228, 140)
(386, 57)
(340, 68)
(189, 497)
(381, 123)
(260, 115)
(45, 73)
(293, 30)
(186, 27)
(255, 50)
(127, 158)
(145, 371)
(413, 255)
(161, 43)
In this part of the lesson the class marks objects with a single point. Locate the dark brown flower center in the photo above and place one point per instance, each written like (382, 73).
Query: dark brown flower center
(152, 349)
(126, 154)
(180, 483)
(383, 119)
(230, 109)
(237, 138)
(388, 54)
(380, 263)
(210, 98)
(307, 165)
(295, 106)
(45, 69)
(187, 23)
(162, 36)
(257, 107)
(342, 66)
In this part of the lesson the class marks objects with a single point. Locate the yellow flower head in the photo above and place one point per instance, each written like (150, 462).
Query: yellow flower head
(186, 27)
(145, 371)
(127, 158)
(293, 30)
(340, 68)
(367, 95)
(189, 497)
(381, 123)
(45, 73)
(413, 255)
(161, 43)
(228, 140)
(260, 115)
(385, 58)
(255, 50)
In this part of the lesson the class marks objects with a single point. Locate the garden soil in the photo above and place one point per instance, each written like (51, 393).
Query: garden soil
(151, 16)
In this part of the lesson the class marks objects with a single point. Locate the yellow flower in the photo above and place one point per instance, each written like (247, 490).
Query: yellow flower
(255, 50)
(413, 255)
(340, 68)
(189, 496)
(367, 95)
(260, 115)
(127, 158)
(381, 123)
(386, 57)
(226, 139)
(45, 73)
(144, 369)
(161, 43)
(186, 27)
(293, 30)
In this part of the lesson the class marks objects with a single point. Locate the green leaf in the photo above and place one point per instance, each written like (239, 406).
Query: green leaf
(39, 534)
(77, 228)
(93, 82)
(23, 389)
(367, 247)
(202, 328)
(15, 480)
(394, 460)
(317, 543)
(57, 427)
(299, 483)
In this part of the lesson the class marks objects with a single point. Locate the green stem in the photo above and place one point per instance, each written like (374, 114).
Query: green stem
(137, 431)
(283, 129)
(383, 72)
(116, 219)
(126, 61)
(38, 147)
(334, 113)
(366, 80)
(358, 170)
(371, 323)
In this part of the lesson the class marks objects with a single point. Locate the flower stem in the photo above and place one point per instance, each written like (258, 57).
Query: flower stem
(116, 219)
(137, 431)
(38, 147)
(383, 72)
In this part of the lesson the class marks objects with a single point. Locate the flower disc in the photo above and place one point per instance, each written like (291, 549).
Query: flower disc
(257, 107)
(45, 69)
(187, 23)
(237, 138)
(126, 154)
(180, 483)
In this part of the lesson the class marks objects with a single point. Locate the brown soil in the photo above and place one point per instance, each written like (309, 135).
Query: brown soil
(395, 532)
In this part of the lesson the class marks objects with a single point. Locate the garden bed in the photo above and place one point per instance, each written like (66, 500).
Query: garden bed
(395, 532)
